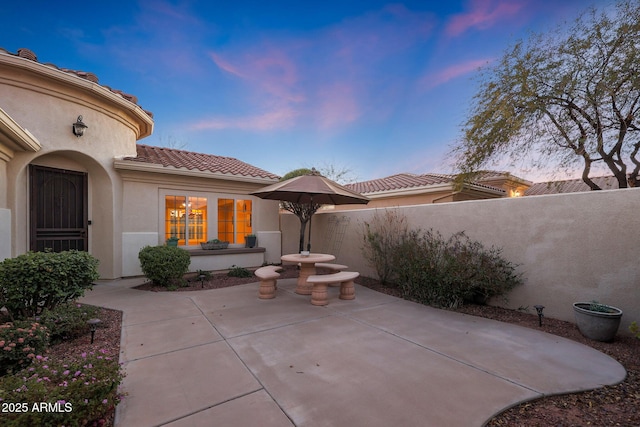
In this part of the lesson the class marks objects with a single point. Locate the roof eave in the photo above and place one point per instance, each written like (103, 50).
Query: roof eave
(170, 170)
(414, 191)
(14, 137)
(398, 192)
(143, 121)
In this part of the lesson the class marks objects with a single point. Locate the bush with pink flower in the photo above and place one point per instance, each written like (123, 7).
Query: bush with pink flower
(20, 341)
(75, 392)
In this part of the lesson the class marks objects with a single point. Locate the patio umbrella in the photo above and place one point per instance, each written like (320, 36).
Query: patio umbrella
(312, 188)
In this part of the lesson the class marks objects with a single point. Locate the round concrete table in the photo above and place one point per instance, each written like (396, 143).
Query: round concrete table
(307, 268)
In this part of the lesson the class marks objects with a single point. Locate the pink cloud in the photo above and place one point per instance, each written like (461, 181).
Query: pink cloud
(225, 65)
(337, 105)
(323, 78)
(275, 119)
(443, 76)
(482, 15)
(271, 71)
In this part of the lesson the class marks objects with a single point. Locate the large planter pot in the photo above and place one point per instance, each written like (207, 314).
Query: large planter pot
(250, 241)
(597, 325)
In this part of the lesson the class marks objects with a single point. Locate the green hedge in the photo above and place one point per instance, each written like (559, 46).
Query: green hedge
(164, 265)
(38, 281)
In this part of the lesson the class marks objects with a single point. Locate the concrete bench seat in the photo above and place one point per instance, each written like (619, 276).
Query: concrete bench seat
(321, 281)
(332, 267)
(268, 276)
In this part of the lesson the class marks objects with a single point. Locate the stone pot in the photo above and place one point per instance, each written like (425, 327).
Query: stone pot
(597, 325)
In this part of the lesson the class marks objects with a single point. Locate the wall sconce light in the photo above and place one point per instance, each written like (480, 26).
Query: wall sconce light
(79, 127)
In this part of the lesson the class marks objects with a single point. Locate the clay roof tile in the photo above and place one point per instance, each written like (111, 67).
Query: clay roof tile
(169, 157)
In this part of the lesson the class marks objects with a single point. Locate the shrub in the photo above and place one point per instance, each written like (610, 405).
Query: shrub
(447, 273)
(237, 271)
(37, 281)
(85, 390)
(382, 236)
(20, 341)
(635, 329)
(164, 264)
(433, 270)
(67, 321)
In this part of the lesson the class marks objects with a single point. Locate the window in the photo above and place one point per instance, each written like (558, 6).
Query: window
(234, 220)
(186, 219)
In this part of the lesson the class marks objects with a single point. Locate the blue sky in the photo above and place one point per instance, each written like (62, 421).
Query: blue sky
(371, 86)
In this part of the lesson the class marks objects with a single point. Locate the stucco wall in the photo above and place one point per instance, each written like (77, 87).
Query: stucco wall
(570, 247)
(143, 216)
(5, 230)
(46, 101)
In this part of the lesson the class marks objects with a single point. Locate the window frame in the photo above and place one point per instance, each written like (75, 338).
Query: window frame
(212, 221)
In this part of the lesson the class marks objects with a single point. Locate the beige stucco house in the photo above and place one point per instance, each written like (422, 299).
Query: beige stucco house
(407, 189)
(105, 193)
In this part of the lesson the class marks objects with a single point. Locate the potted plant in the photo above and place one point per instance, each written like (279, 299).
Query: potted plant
(172, 241)
(250, 240)
(597, 321)
(214, 244)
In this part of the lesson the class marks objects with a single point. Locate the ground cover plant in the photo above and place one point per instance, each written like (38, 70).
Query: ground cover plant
(71, 383)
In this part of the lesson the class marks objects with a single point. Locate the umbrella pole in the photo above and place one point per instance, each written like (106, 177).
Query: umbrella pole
(310, 216)
(309, 239)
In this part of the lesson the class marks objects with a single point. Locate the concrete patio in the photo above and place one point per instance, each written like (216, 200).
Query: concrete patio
(226, 358)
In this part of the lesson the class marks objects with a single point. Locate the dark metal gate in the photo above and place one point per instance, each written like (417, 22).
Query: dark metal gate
(58, 209)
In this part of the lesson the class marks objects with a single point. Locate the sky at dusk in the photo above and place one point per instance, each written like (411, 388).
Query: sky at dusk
(371, 86)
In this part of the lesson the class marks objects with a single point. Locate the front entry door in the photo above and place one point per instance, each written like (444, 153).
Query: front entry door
(58, 209)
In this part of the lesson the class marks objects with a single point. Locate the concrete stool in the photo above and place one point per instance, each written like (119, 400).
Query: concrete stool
(268, 281)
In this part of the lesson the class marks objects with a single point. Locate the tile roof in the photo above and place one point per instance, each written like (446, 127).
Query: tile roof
(169, 157)
(406, 181)
(397, 182)
(28, 54)
(570, 186)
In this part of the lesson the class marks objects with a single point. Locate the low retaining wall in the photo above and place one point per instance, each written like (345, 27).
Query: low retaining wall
(224, 259)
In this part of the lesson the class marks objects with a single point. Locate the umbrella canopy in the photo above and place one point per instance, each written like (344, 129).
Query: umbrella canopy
(310, 189)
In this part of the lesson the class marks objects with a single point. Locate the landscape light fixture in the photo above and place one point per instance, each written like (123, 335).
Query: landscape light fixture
(79, 127)
(539, 309)
(94, 324)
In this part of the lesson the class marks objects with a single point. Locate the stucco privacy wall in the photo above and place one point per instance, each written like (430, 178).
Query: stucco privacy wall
(570, 247)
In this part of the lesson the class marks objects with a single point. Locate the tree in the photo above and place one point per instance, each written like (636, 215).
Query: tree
(340, 174)
(566, 100)
(303, 211)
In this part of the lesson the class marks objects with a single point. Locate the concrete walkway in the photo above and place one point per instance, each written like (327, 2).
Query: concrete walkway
(226, 358)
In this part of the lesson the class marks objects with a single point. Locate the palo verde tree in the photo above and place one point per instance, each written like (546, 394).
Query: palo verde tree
(568, 99)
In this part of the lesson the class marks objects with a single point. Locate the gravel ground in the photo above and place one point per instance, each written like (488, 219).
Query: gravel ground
(617, 405)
